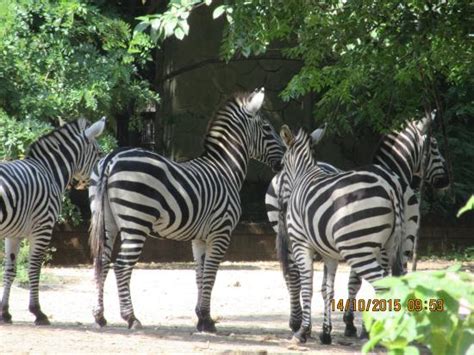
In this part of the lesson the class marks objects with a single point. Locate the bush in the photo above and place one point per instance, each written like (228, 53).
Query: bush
(423, 318)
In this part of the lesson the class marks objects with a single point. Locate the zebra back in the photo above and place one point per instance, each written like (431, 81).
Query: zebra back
(69, 151)
(403, 153)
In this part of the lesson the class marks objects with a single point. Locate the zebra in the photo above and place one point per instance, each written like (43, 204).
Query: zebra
(347, 216)
(136, 194)
(411, 155)
(30, 199)
(414, 141)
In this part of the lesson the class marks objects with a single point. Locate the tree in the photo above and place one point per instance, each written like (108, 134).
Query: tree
(368, 64)
(64, 60)
(69, 59)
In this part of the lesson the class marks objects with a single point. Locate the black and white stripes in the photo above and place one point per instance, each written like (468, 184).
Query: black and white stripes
(137, 193)
(402, 154)
(30, 198)
(347, 216)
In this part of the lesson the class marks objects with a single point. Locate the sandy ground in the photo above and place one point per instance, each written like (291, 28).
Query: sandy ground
(250, 302)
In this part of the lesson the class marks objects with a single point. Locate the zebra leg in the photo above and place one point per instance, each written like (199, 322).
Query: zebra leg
(100, 276)
(130, 251)
(355, 282)
(330, 267)
(215, 251)
(304, 260)
(12, 246)
(371, 270)
(292, 279)
(38, 246)
(199, 253)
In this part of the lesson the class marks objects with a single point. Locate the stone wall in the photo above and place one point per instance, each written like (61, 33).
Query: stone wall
(250, 242)
(194, 83)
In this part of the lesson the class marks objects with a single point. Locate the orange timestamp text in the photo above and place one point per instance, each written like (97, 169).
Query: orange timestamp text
(383, 305)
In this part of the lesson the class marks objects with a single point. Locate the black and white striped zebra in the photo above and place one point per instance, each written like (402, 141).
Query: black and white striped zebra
(138, 193)
(30, 199)
(410, 155)
(413, 139)
(347, 216)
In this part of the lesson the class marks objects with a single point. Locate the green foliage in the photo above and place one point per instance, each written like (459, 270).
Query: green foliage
(467, 207)
(445, 331)
(67, 59)
(372, 63)
(69, 212)
(173, 22)
(107, 143)
(16, 137)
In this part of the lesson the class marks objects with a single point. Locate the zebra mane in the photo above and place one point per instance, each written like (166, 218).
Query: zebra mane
(75, 127)
(410, 126)
(238, 98)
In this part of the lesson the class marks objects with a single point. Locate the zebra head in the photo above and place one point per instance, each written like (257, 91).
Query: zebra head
(436, 172)
(88, 149)
(265, 144)
(298, 156)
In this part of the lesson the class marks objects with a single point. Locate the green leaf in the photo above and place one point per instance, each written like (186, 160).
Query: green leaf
(388, 282)
(218, 11)
(179, 33)
(467, 207)
(411, 350)
(142, 26)
(169, 26)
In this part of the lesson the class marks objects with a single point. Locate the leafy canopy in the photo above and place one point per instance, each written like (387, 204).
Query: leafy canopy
(372, 62)
(68, 59)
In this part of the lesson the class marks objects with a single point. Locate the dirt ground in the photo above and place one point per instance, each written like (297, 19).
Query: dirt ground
(250, 302)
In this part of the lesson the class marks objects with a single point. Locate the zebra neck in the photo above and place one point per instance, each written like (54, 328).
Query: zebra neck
(299, 171)
(229, 156)
(56, 165)
(400, 152)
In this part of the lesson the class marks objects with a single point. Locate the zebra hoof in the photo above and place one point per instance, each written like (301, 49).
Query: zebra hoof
(135, 324)
(101, 322)
(5, 318)
(350, 331)
(363, 334)
(295, 325)
(206, 325)
(301, 335)
(42, 320)
(325, 338)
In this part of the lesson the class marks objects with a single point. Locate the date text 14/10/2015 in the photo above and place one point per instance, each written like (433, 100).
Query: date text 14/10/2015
(382, 305)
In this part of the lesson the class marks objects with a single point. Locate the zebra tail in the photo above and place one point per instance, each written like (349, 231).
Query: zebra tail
(397, 263)
(97, 226)
(283, 244)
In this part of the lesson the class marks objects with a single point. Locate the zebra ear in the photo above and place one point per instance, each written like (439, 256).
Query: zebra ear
(255, 101)
(96, 129)
(318, 134)
(287, 136)
(61, 122)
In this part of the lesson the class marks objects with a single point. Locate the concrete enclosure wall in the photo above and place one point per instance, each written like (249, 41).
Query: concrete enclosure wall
(250, 242)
